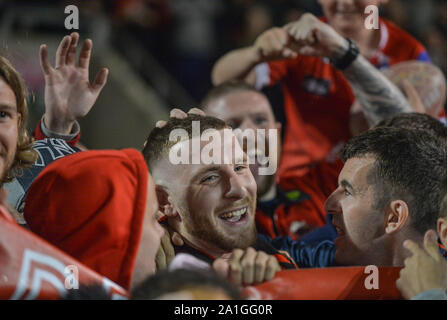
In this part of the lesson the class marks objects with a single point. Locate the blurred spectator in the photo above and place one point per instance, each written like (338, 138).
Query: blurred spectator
(184, 284)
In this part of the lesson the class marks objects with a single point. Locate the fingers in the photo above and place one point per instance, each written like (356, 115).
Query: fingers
(260, 265)
(158, 214)
(197, 111)
(235, 275)
(84, 55)
(271, 268)
(431, 245)
(222, 267)
(177, 113)
(407, 284)
(271, 44)
(277, 40)
(62, 50)
(248, 263)
(161, 123)
(289, 53)
(168, 248)
(44, 62)
(160, 259)
(100, 80)
(165, 252)
(71, 53)
(251, 266)
(177, 239)
(412, 246)
(180, 114)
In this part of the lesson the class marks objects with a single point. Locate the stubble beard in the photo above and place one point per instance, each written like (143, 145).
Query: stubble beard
(202, 228)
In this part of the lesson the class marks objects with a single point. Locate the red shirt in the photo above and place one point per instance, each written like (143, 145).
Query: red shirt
(318, 98)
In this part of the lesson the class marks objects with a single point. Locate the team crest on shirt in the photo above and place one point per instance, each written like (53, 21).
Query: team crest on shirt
(316, 86)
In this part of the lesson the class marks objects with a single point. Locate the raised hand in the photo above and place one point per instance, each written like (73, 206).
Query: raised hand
(245, 267)
(426, 269)
(69, 95)
(179, 114)
(273, 45)
(314, 38)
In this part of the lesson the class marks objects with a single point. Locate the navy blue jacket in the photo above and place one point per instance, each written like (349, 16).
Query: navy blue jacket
(315, 255)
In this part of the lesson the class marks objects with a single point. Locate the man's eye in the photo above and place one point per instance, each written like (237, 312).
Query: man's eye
(232, 124)
(4, 114)
(209, 179)
(260, 120)
(347, 193)
(239, 168)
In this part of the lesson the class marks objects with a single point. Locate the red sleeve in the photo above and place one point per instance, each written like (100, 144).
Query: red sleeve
(39, 135)
(278, 69)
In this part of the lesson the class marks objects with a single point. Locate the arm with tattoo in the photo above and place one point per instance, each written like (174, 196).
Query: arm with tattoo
(378, 96)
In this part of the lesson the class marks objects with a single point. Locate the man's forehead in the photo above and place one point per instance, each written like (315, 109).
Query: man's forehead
(7, 96)
(239, 104)
(356, 170)
(223, 138)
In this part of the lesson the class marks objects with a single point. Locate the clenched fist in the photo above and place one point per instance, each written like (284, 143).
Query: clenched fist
(273, 45)
(313, 37)
(249, 266)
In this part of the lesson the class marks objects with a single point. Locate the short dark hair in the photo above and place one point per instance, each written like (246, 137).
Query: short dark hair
(225, 89)
(158, 143)
(416, 121)
(410, 165)
(165, 281)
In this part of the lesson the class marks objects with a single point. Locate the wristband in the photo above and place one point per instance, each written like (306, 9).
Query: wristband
(349, 56)
(67, 137)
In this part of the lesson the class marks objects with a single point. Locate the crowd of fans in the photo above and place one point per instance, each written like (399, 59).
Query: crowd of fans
(359, 166)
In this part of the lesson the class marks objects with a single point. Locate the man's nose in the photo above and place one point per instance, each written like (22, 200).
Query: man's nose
(236, 189)
(332, 204)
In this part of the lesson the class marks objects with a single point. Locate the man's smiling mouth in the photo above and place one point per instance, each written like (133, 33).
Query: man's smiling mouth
(235, 215)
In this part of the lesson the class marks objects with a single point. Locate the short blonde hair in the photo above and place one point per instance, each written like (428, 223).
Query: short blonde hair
(25, 156)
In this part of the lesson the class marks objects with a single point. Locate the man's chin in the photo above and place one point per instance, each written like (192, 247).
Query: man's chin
(243, 240)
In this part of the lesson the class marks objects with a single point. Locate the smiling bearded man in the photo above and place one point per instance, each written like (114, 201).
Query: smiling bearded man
(211, 203)
(215, 203)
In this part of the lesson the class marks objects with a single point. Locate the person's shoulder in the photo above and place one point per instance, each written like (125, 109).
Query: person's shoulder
(401, 45)
(397, 34)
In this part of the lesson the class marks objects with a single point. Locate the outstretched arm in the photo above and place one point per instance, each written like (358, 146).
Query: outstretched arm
(379, 97)
(69, 95)
(238, 64)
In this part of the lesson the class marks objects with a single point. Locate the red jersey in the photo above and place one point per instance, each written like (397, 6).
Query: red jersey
(299, 205)
(318, 98)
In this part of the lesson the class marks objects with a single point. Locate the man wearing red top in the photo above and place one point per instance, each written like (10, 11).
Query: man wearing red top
(322, 73)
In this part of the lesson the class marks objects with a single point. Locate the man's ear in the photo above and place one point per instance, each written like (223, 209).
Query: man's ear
(164, 203)
(397, 214)
(442, 230)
